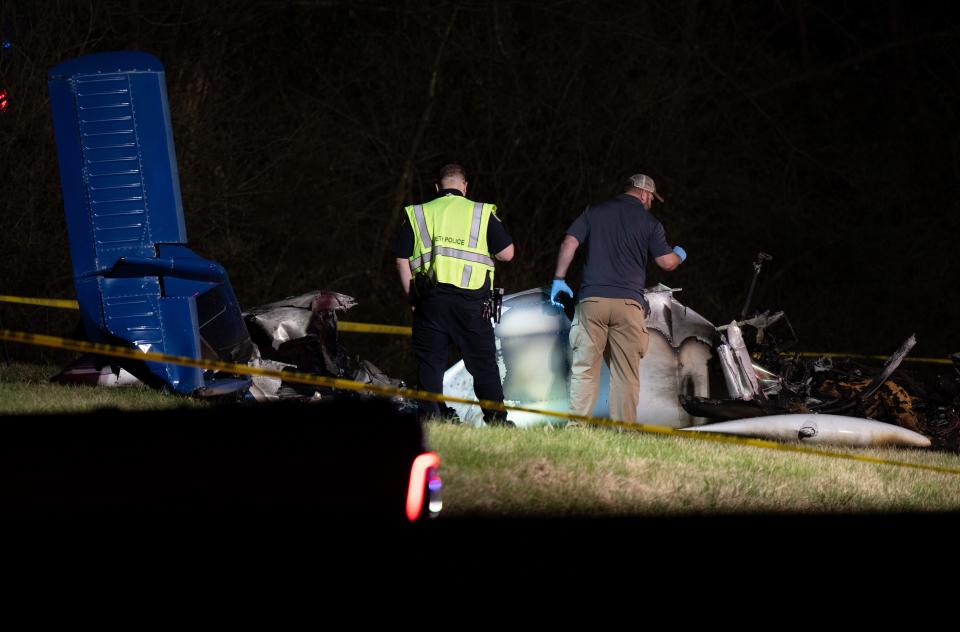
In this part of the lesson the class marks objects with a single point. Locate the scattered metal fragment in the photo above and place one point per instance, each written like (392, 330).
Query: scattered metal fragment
(890, 366)
(820, 429)
(94, 371)
(761, 257)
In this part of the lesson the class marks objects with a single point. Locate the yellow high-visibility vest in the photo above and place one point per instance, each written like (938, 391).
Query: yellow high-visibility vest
(450, 241)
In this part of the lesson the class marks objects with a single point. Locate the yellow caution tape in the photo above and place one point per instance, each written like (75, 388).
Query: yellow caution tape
(44, 302)
(810, 354)
(366, 328)
(351, 385)
(370, 328)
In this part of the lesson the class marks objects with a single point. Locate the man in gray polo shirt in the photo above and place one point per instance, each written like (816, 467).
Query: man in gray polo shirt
(620, 235)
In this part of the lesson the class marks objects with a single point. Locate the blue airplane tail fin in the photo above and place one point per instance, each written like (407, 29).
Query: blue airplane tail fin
(135, 277)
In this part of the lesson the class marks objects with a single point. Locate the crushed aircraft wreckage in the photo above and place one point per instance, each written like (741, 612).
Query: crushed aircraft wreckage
(298, 333)
(138, 283)
(789, 398)
(688, 357)
(779, 387)
(785, 383)
(534, 359)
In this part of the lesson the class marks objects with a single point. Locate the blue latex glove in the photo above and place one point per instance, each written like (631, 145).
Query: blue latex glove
(559, 285)
(680, 253)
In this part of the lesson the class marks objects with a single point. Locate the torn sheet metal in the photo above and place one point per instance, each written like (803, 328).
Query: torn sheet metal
(763, 321)
(94, 371)
(736, 386)
(534, 359)
(299, 333)
(265, 388)
(743, 362)
(676, 322)
(890, 366)
(298, 316)
(770, 383)
(302, 331)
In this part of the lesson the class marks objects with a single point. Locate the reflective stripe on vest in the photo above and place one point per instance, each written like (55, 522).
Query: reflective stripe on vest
(419, 261)
(421, 223)
(453, 253)
(475, 225)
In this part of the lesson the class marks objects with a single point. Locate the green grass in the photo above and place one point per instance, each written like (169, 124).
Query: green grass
(26, 389)
(599, 472)
(596, 472)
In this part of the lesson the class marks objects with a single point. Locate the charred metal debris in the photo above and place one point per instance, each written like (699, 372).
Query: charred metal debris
(764, 376)
(296, 334)
(299, 334)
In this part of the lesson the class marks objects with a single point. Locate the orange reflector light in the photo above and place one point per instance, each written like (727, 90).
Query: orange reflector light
(419, 472)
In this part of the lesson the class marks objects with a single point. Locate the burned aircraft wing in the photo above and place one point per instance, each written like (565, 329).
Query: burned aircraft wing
(534, 359)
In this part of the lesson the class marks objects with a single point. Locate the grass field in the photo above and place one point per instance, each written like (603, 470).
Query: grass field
(600, 472)
(597, 472)
(26, 389)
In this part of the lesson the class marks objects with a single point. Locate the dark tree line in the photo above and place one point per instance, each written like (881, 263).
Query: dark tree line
(824, 133)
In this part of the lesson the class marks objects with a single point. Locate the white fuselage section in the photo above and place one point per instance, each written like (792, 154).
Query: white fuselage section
(533, 354)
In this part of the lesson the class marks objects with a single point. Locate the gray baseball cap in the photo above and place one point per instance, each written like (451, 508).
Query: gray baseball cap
(646, 183)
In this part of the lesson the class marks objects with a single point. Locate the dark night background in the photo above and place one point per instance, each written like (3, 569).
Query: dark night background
(824, 133)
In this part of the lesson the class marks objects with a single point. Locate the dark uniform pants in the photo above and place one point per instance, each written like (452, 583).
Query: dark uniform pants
(444, 318)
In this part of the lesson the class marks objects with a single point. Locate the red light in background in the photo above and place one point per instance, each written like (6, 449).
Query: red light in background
(4, 102)
(418, 482)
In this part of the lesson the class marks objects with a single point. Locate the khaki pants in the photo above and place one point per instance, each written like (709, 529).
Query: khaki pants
(614, 329)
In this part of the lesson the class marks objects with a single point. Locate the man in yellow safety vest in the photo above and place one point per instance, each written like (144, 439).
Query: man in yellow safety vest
(445, 254)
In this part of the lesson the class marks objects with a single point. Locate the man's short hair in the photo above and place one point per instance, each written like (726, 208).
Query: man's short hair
(451, 171)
